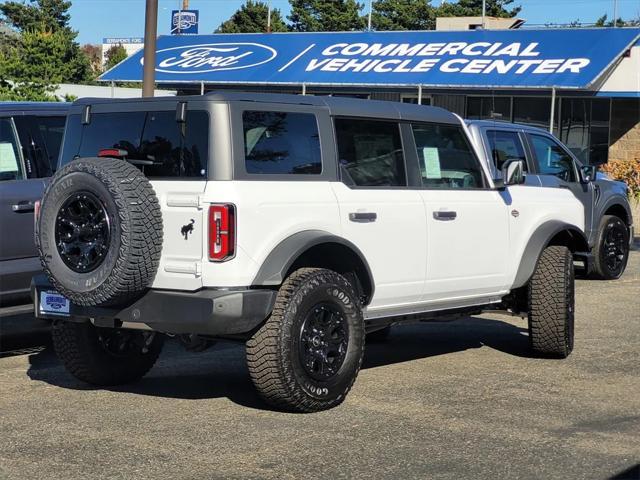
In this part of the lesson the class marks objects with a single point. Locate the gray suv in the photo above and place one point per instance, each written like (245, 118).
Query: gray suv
(30, 139)
(549, 163)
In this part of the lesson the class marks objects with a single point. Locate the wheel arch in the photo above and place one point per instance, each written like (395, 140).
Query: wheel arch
(547, 234)
(618, 209)
(316, 248)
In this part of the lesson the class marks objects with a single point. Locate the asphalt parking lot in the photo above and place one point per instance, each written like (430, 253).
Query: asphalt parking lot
(454, 400)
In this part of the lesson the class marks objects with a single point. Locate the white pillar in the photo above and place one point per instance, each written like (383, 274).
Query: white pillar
(304, 89)
(420, 94)
(201, 88)
(553, 109)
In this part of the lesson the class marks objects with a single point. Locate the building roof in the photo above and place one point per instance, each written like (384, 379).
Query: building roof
(486, 59)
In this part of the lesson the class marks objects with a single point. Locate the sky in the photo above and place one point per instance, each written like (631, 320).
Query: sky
(96, 19)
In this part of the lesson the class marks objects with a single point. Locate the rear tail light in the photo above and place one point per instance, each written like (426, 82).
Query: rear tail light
(222, 238)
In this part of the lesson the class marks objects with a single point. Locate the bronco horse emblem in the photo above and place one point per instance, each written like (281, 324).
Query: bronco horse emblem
(187, 229)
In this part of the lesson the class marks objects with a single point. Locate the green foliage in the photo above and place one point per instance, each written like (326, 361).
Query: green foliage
(473, 8)
(602, 22)
(326, 15)
(403, 15)
(48, 15)
(251, 17)
(39, 59)
(114, 56)
(26, 92)
(42, 52)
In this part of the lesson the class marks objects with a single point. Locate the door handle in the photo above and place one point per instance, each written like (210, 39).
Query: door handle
(363, 217)
(445, 216)
(23, 207)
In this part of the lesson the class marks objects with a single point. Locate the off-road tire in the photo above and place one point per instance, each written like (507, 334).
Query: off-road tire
(135, 224)
(379, 336)
(273, 353)
(551, 303)
(79, 348)
(600, 268)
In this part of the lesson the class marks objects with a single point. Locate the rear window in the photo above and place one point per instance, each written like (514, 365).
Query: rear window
(154, 141)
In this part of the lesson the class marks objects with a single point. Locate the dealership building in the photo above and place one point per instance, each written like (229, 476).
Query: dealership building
(581, 84)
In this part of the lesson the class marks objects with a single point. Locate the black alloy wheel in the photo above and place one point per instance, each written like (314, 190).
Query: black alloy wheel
(82, 232)
(324, 339)
(615, 247)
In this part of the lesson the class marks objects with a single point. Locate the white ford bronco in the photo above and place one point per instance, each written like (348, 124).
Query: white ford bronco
(295, 224)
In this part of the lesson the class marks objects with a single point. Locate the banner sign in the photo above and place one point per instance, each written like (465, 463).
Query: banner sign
(569, 58)
(184, 22)
(122, 40)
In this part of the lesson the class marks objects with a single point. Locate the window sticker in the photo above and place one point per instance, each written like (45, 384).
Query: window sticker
(431, 167)
(8, 160)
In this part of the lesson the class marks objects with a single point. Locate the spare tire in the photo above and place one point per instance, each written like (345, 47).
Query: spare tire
(99, 232)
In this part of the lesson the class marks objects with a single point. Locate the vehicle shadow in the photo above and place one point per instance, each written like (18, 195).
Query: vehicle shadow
(221, 371)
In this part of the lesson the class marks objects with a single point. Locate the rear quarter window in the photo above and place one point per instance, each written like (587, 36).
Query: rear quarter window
(281, 143)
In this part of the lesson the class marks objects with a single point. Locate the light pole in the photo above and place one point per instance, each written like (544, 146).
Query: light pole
(369, 16)
(484, 11)
(615, 13)
(269, 17)
(150, 35)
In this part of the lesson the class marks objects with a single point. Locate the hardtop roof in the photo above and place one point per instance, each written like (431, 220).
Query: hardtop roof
(338, 106)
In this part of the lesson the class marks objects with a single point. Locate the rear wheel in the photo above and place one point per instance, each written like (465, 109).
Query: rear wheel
(612, 248)
(307, 355)
(105, 356)
(552, 303)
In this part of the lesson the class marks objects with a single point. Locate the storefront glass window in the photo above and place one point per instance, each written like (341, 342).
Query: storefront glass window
(481, 108)
(584, 128)
(532, 111)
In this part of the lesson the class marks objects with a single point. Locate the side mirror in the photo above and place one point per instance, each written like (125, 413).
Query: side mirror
(513, 172)
(588, 173)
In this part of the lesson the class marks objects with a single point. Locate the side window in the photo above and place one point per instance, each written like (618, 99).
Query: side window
(446, 158)
(51, 130)
(370, 153)
(552, 159)
(281, 143)
(505, 145)
(10, 164)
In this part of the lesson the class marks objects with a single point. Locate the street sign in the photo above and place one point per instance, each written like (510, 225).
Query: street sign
(184, 22)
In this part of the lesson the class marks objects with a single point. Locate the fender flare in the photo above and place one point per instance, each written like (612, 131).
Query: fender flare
(281, 258)
(622, 202)
(538, 241)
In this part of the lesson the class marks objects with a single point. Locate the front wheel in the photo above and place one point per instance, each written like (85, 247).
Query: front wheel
(612, 248)
(307, 355)
(105, 356)
(552, 303)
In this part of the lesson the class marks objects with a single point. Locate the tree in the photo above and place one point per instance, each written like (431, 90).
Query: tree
(602, 22)
(251, 17)
(94, 55)
(326, 15)
(473, 8)
(38, 23)
(47, 15)
(114, 56)
(403, 15)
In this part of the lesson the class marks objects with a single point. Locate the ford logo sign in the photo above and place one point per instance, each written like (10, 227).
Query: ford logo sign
(212, 57)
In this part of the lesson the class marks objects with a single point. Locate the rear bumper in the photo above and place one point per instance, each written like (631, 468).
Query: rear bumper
(205, 312)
